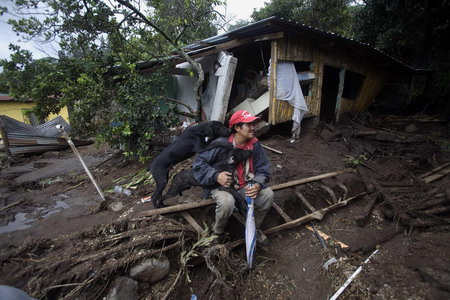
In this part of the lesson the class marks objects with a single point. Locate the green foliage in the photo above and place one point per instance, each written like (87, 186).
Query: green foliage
(138, 114)
(415, 32)
(38, 80)
(332, 15)
(355, 161)
(94, 74)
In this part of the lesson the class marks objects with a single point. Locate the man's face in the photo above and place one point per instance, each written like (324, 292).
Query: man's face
(247, 130)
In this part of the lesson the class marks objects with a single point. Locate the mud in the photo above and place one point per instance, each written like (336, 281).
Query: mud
(51, 216)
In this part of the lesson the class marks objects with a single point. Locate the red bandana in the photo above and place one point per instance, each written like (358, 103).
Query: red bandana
(240, 169)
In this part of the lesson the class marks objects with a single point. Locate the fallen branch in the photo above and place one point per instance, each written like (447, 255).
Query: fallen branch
(11, 205)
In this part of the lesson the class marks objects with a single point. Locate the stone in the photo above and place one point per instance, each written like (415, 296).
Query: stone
(151, 270)
(116, 206)
(123, 288)
(410, 128)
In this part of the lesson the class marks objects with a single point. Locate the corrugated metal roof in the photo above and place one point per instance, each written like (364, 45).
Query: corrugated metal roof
(293, 29)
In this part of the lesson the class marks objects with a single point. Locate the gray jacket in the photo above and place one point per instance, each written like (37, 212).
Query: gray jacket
(206, 175)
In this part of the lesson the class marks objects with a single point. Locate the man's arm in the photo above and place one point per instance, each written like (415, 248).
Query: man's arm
(207, 175)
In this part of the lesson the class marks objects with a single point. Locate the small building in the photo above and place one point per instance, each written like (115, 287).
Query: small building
(16, 109)
(337, 75)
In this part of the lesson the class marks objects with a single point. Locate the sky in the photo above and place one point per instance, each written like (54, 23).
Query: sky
(240, 9)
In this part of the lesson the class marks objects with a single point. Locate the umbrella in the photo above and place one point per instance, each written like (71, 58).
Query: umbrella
(250, 232)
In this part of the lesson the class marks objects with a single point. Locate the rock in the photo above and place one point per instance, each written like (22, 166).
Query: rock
(9, 292)
(123, 288)
(151, 270)
(410, 128)
(116, 206)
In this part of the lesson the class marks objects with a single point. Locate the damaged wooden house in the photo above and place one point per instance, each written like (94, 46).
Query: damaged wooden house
(259, 66)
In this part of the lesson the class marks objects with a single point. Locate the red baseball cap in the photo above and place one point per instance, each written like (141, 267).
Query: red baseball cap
(241, 116)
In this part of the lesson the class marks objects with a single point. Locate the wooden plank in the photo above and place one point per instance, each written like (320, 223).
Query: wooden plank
(309, 179)
(317, 215)
(176, 208)
(438, 175)
(281, 212)
(187, 216)
(271, 149)
(310, 207)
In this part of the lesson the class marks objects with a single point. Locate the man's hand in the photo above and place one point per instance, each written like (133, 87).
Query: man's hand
(225, 179)
(253, 191)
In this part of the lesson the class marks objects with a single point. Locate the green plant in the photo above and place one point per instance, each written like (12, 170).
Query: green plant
(353, 161)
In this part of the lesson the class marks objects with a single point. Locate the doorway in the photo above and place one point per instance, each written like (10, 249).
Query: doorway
(330, 88)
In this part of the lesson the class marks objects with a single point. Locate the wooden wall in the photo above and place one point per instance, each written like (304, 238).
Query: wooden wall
(321, 54)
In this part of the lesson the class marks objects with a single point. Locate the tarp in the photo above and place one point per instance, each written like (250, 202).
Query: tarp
(288, 89)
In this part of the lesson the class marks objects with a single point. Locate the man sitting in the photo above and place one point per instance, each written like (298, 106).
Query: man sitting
(254, 171)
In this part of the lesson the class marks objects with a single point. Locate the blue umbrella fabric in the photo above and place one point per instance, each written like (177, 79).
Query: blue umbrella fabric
(250, 232)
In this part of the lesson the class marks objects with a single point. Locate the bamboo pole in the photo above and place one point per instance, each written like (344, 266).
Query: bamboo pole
(309, 179)
(75, 150)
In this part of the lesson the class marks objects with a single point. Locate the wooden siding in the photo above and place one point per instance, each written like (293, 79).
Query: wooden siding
(320, 55)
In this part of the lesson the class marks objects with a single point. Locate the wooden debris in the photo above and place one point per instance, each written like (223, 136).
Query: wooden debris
(362, 218)
(317, 215)
(310, 207)
(271, 149)
(11, 205)
(309, 179)
(330, 192)
(434, 170)
(175, 208)
(187, 216)
(281, 212)
(367, 180)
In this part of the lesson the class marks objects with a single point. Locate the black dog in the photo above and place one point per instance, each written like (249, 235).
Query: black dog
(191, 141)
(229, 158)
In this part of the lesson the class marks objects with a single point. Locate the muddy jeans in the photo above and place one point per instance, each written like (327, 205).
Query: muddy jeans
(225, 207)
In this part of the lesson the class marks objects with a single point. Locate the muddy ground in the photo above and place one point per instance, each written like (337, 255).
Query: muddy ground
(58, 240)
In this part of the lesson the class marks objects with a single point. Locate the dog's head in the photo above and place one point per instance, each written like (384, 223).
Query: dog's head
(216, 129)
(237, 155)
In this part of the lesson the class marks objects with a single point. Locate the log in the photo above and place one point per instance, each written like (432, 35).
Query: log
(435, 210)
(434, 170)
(175, 208)
(418, 222)
(309, 179)
(432, 203)
(181, 207)
(439, 175)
